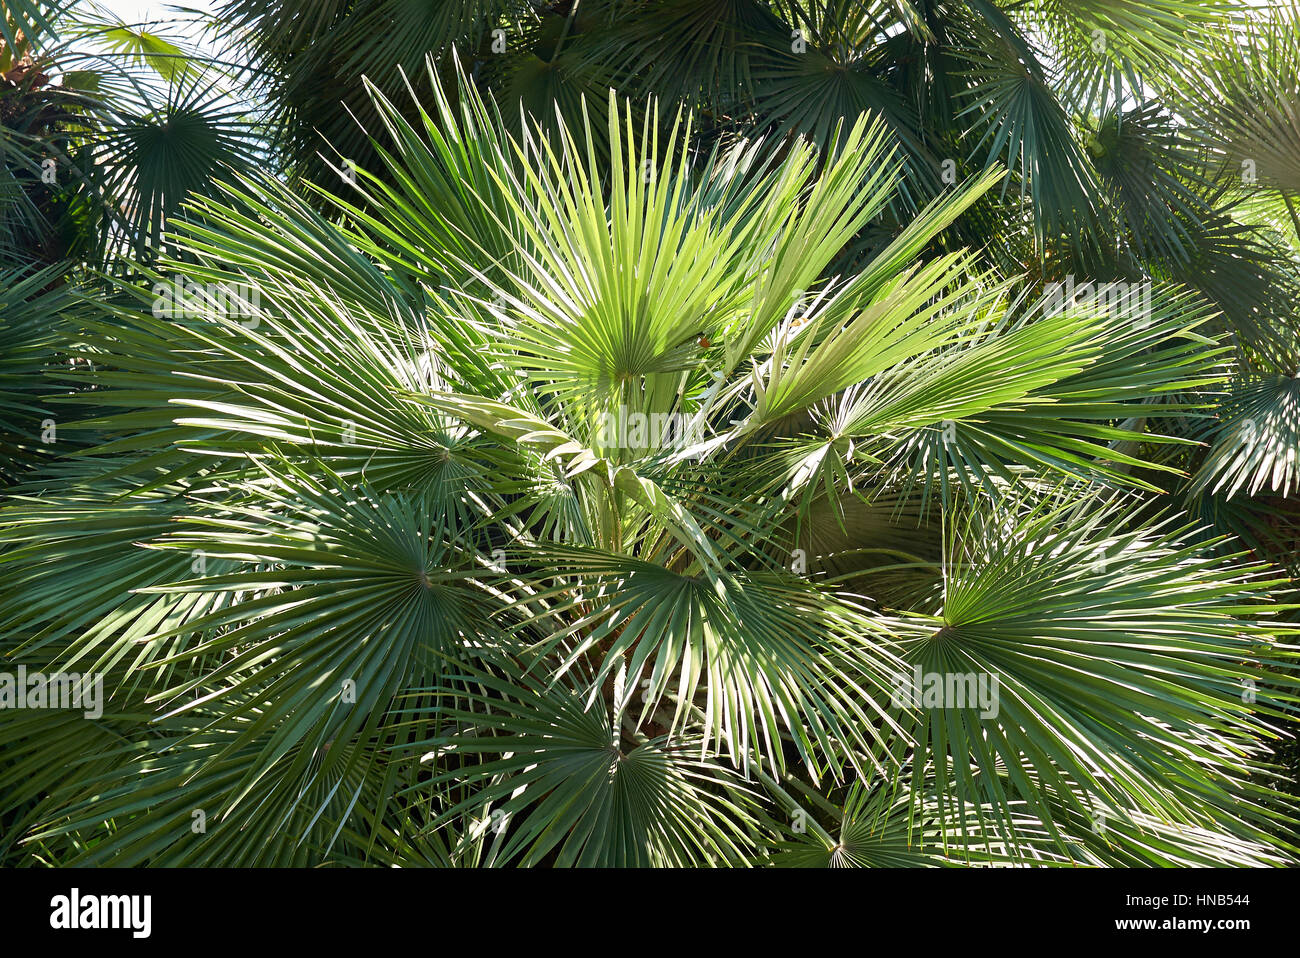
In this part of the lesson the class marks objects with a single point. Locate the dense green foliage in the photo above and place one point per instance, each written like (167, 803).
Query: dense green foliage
(621, 402)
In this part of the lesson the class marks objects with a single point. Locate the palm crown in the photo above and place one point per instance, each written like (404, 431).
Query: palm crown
(393, 566)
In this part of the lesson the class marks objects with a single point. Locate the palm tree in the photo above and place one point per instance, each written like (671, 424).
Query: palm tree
(560, 502)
